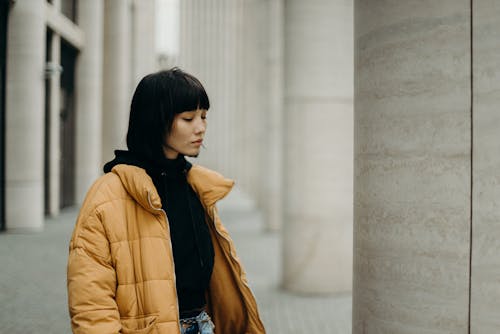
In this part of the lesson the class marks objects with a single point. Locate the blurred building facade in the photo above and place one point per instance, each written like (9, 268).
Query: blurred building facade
(279, 105)
(70, 70)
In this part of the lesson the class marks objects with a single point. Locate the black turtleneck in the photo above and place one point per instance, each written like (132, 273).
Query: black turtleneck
(192, 247)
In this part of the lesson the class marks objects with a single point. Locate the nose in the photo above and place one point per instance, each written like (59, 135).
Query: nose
(200, 126)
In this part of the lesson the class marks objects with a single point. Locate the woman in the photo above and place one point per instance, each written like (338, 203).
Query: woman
(149, 253)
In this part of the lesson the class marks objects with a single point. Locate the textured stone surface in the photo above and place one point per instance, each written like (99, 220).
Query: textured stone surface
(486, 169)
(412, 167)
(318, 160)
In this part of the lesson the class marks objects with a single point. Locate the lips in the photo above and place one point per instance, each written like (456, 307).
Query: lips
(199, 141)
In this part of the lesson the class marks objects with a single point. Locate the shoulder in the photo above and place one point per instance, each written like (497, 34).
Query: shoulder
(101, 213)
(107, 189)
(89, 232)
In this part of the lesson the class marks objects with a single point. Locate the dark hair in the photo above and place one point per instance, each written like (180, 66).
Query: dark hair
(157, 99)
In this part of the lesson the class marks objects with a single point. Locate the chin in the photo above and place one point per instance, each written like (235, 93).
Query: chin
(192, 154)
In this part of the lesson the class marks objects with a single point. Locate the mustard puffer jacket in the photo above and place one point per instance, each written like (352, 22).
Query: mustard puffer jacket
(121, 276)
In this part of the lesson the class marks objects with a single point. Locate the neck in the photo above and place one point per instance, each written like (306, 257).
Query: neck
(170, 154)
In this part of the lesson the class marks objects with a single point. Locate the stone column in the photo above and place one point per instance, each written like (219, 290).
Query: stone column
(116, 76)
(88, 82)
(412, 189)
(318, 120)
(143, 40)
(273, 194)
(25, 116)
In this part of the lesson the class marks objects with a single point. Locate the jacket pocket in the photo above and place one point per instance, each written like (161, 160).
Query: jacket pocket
(145, 324)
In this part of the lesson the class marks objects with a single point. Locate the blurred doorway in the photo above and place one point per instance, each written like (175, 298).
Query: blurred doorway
(67, 125)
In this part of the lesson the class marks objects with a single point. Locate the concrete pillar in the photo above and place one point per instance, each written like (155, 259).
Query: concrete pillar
(25, 116)
(485, 289)
(143, 40)
(88, 82)
(54, 127)
(116, 76)
(318, 120)
(412, 189)
(273, 194)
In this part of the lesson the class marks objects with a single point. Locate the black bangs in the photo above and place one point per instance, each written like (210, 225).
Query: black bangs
(187, 93)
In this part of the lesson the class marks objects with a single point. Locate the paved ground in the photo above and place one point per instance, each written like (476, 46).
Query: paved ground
(33, 279)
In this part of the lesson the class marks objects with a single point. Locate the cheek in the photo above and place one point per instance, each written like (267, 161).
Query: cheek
(179, 131)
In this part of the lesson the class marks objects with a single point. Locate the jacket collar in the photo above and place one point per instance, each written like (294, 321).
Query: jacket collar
(210, 186)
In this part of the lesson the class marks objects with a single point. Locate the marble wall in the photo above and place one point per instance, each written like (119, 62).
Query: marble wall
(412, 167)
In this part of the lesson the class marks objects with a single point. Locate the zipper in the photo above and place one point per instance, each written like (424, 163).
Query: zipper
(171, 252)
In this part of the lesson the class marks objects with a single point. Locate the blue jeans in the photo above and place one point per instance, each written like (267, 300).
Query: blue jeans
(202, 324)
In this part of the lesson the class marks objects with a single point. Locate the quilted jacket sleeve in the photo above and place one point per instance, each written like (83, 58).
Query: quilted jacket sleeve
(91, 280)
